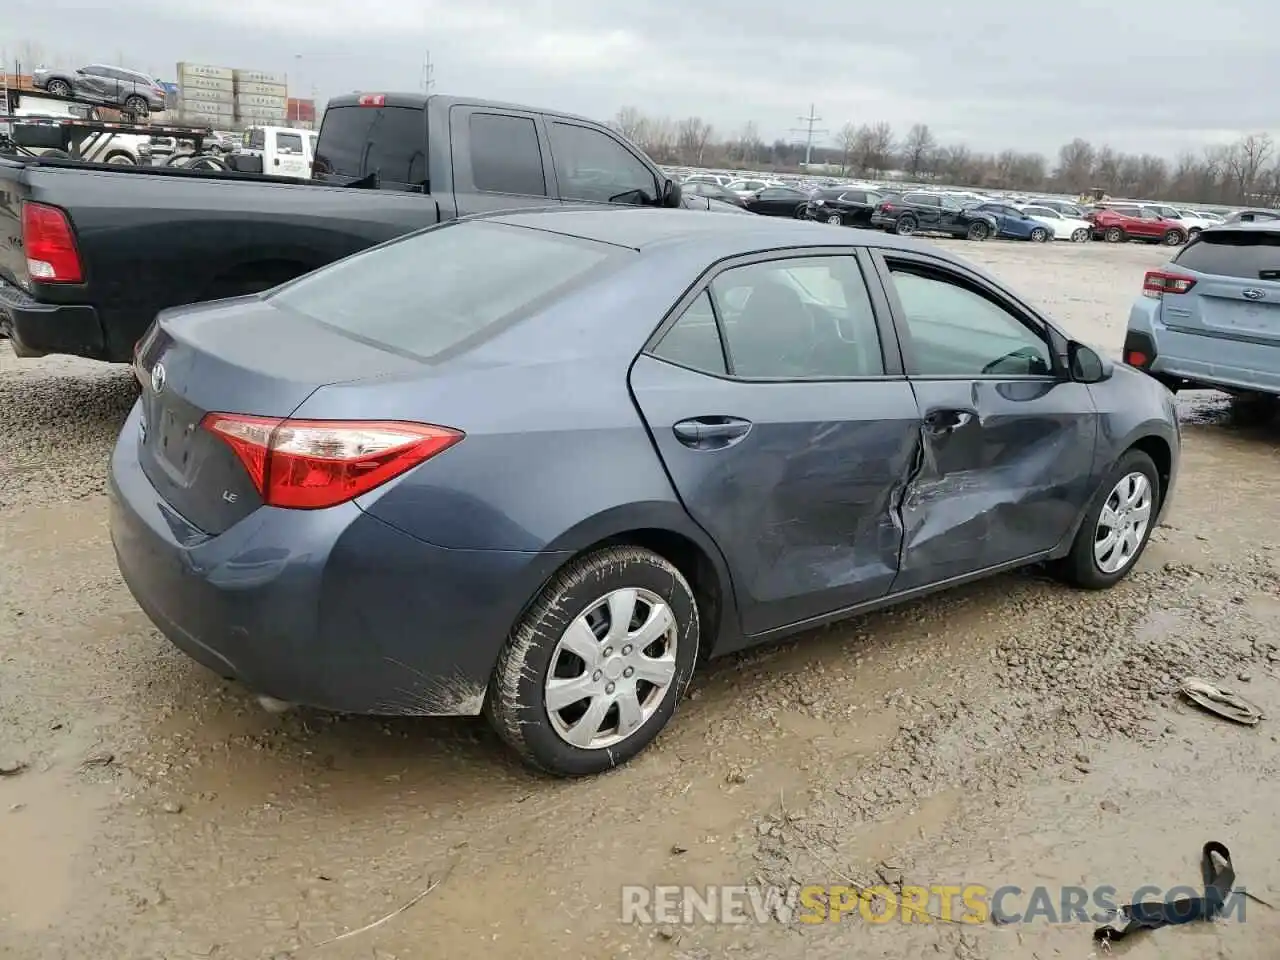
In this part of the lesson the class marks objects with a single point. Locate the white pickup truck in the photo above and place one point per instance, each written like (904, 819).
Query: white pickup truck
(283, 152)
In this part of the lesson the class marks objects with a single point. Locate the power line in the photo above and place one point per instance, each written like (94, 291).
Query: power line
(808, 130)
(428, 73)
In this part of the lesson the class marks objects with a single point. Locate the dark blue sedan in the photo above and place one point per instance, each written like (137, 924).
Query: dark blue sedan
(1015, 224)
(536, 465)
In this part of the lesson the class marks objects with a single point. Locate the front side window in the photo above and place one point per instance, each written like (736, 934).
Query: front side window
(796, 319)
(289, 143)
(593, 166)
(956, 331)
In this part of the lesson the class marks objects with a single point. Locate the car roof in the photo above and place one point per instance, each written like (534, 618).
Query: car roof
(643, 230)
(1244, 226)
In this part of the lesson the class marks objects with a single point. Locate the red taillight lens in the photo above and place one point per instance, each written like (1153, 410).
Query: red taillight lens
(1157, 283)
(1136, 358)
(886, 207)
(50, 245)
(311, 464)
(373, 100)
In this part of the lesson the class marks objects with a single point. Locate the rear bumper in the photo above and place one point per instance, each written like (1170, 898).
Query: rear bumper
(39, 328)
(332, 609)
(1182, 359)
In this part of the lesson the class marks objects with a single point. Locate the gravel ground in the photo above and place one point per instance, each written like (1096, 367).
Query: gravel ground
(1011, 732)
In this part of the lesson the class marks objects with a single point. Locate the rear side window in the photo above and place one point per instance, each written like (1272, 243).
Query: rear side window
(694, 340)
(442, 289)
(1252, 254)
(389, 141)
(504, 155)
(290, 143)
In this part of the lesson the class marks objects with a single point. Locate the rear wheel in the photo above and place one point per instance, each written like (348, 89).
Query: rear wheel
(1116, 527)
(977, 231)
(59, 88)
(1039, 235)
(1114, 235)
(595, 668)
(121, 159)
(1193, 233)
(905, 226)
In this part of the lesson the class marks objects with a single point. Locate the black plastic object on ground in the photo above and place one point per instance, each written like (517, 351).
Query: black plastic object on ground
(1219, 877)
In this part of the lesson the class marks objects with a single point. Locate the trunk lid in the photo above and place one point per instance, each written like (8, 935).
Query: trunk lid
(1237, 288)
(232, 356)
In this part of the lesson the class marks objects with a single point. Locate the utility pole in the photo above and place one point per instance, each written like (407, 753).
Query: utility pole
(808, 130)
(428, 73)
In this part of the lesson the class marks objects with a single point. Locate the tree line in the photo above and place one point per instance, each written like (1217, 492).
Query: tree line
(1244, 172)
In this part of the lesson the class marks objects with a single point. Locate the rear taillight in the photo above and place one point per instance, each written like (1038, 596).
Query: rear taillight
(311, 464)
(50, 245)
(886, 207)
(1136, 358)
(1157, 283)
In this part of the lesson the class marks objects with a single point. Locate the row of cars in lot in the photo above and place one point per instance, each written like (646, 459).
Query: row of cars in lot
(957, 213)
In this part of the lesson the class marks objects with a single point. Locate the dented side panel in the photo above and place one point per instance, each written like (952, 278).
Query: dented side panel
(804, 506)
(1004, 477)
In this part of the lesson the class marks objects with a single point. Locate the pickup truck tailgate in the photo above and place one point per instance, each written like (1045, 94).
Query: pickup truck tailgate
(13, 262)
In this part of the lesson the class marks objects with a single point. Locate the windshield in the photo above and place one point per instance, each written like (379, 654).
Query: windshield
(444, 288)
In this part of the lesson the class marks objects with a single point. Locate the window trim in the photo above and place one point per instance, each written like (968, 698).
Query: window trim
(890, 352)
(1036, 324)
(550, 119)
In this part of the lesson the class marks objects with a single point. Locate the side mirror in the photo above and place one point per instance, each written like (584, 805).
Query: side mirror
(1086, 365)
(670, 193)
(80, 71)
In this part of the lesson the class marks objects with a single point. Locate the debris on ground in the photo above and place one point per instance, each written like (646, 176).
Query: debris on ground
(1219, 877)
(1220, 700)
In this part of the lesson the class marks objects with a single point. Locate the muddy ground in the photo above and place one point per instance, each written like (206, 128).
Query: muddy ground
(1013, 732)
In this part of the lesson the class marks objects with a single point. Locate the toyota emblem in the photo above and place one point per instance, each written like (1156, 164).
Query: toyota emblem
(157, 378)
(1253, 293)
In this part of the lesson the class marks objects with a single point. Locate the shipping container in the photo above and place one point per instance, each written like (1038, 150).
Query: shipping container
(200, 114)
(301, 110)
(262, 89)
(204, 70)
(259, 100)
(268, 115)
(197, 95)
(259, 76)
(191, 81)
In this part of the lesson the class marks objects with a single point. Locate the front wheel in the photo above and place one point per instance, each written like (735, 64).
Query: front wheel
(1080, 236)
(595, 668)
(977, 231)
(1039, 235)
(138, 106)
(1173, 238)
(1116, 527)
(835, 220)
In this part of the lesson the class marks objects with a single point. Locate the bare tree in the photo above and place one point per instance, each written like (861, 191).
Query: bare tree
(1075, 165)
(882, 144)
(692, 138)
(630, 122)
(749, 145)
(847, 138)
(1244, 159)
(918, 149)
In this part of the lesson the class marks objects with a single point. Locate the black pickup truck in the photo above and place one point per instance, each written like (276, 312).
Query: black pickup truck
(89, 253)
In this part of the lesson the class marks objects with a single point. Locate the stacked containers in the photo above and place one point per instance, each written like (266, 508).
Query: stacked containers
(260, 97)
(206, 95)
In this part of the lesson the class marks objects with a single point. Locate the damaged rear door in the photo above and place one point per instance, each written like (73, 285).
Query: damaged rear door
(1007, 441)
(787, 431)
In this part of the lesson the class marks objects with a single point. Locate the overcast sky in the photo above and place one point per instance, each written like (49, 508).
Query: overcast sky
(1142, 75)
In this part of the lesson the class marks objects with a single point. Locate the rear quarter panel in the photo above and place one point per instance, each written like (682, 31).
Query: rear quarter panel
(154, 241)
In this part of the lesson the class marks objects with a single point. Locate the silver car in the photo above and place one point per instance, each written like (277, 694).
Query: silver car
(128, 90)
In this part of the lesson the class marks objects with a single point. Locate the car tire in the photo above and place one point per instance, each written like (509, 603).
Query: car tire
(58, 88)
(1090, 568)
(905, 225)
(1039, 235)
(120, 159)
(1192, 234)
(977, 231)
(579, 602)
(1114, 235)
(138, 106)
(835, 220)
(1080, 236)
(1174, 238)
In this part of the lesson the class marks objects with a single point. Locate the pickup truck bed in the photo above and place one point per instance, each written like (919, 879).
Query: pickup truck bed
(152, 238)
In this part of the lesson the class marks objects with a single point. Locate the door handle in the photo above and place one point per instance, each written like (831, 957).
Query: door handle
(711, 433)
(945, 421)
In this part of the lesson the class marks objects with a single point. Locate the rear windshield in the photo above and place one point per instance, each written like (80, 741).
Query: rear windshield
(442, 290)
(389, 141)
(1254, 254)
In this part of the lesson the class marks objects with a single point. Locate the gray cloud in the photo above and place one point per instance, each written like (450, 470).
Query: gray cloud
(1142, 75)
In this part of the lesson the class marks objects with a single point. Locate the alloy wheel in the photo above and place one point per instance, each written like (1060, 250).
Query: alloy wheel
(1123, 522)
(611, 669)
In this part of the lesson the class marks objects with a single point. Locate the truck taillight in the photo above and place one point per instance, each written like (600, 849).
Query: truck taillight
(50, 245)
(312, 464)
(373, 100)
(1157, 283)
